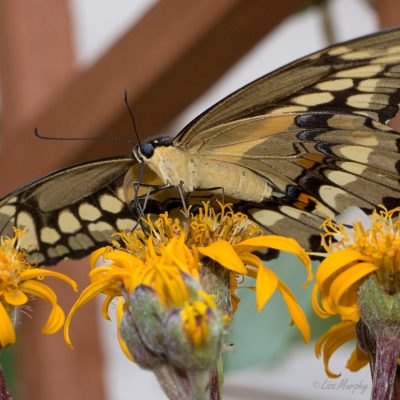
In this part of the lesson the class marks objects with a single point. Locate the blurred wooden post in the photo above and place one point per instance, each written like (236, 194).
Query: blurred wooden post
(388, 13)
(36, 60)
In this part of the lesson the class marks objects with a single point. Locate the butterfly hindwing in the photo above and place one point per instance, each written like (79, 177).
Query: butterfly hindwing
(70, 212)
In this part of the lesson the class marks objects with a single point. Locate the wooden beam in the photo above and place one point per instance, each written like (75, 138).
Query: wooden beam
(388, 12)
(36, 60)
(166, 61)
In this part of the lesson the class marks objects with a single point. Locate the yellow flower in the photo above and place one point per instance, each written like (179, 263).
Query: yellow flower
(354, 256)
(18, 280)
(161, 268)
(161, 256)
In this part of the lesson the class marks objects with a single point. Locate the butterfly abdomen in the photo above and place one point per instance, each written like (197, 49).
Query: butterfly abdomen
(192, 171)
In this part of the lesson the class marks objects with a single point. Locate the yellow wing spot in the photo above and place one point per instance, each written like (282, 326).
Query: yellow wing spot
(335, 85)
(313, 99)
(388, 59)
(368, 100)
(111, 203)
(30, 240)
(340, 178)
(88, 212)
(337, 51)
(125, 224)
(8, 210)
(354, 168)
(288, 109)
(385, 84)
(80, 241)
(101, 230)
(67, 222)
(361, 55)
(365, 71)
(49, 235)
(354, 153)
(266, 217)
(57, 251)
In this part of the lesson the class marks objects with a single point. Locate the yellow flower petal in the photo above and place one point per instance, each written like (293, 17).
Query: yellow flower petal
(33, 273)
(266, 284)
(281, 243)
(105, 306)
(332, 264)
(346, 279)
(332, 340)
(97, 254)
(15, 297)
(87, 294)
(295, 311)
(122, 257)
(7, 332)
(223, 253)
(56, 317)
(122, 343)
(357, 360)
(315, 303)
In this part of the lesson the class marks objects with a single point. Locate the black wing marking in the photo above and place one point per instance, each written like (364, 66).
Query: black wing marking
(70, 212)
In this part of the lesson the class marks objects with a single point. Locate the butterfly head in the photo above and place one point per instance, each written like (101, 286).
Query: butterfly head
(145, 151)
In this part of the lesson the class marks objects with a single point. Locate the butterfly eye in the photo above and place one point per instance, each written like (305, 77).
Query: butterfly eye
(147, 149)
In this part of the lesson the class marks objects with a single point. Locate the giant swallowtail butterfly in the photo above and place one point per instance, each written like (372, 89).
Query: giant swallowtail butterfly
(291, 148)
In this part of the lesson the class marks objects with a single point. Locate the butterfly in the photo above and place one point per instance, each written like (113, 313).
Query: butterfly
(290, 149)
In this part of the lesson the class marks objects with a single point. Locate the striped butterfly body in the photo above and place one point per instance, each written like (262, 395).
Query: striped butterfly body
(290, 149)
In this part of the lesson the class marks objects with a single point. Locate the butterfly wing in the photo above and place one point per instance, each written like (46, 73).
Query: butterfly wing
(315, 131)
(73, 211)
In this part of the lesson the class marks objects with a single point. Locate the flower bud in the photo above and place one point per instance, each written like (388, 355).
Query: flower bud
(145, 358)
(196, 347)
(148, 314)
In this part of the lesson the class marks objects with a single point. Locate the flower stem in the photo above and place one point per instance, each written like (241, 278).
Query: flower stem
(387, 351)
(4, 394)
(216, 280)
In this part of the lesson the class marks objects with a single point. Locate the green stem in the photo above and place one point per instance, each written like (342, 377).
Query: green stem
(215, 279)
(4, 394)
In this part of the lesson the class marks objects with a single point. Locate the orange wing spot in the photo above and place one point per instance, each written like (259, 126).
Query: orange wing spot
(306, 202)
(307, 164)
(316, 157)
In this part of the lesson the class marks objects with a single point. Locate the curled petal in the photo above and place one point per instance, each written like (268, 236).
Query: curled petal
(332, 264)
(105, 306)
(87, 294)
(295, 311)
(328, 343)
(56, 317)
(281, 243)
(123, 258)
(33, 273)
(15, 297)
(319, 310)
(7, 332)
(223, 253)
(266, 284)
(97, 254)
(357, 360)
(122, 343)
(348, 278)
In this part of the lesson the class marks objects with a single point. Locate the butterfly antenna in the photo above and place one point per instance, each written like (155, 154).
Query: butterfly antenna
(131, 114)
(116, 138)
